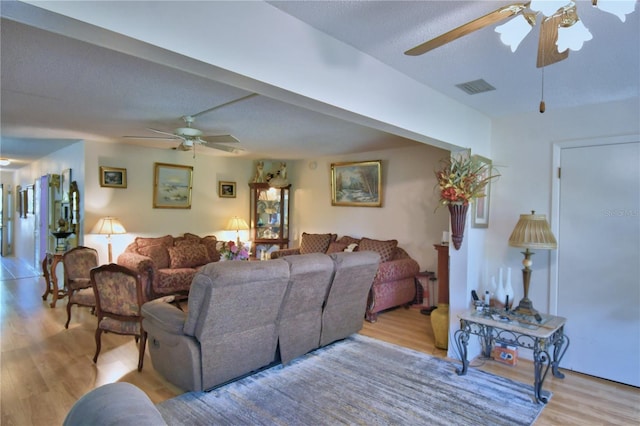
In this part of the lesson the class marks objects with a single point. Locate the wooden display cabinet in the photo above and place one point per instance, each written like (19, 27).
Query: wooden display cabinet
(269, 218)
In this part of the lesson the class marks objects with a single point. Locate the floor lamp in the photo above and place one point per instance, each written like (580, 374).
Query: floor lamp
(531, 232)
(109, 226)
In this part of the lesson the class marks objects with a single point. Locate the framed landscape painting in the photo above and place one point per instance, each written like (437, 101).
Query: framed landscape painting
(356, 184)
(172, 186)
(113, 177)
(226, 189)
(480, 206)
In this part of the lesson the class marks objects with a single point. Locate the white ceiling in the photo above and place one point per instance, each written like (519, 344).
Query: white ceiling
(61, 88)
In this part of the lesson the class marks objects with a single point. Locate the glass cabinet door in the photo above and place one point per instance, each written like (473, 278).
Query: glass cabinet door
(269, 218)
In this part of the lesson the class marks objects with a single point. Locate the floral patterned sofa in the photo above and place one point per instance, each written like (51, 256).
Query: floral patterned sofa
(168, 264)
(394, 284)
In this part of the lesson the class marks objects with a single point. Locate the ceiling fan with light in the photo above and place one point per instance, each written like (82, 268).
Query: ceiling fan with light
(190, 137)
(560, 28)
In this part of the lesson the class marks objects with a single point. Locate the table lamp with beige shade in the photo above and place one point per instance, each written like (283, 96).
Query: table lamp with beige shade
(531, 232)
(109, 226)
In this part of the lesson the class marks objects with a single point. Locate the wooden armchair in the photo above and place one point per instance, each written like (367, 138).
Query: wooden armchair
(119, 300)
(78, 263)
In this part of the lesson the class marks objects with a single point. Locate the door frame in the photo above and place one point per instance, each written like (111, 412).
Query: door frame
(555, 200)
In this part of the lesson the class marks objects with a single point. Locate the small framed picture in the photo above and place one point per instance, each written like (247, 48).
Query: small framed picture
(172, 186)
(226, 189)
(113, 177)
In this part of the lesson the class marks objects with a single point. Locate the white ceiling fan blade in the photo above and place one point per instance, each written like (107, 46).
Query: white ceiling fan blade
(233, 149)
(219, 139)
(173, 135)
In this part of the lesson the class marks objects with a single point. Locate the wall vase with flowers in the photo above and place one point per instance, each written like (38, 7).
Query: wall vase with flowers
(461, 180)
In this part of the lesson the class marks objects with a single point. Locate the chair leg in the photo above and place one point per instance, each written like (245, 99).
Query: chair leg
(68, 312)
(98, 344)
(143, 344)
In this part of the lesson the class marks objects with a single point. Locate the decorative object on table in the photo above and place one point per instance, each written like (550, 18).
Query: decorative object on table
(531, 232)
(226, 189)
(113, 177)
(61, 240)
(172, 186)
(109, 226)
(440, 325)
(462, 179)
(356, 184)
(237, 224)
(233, 251)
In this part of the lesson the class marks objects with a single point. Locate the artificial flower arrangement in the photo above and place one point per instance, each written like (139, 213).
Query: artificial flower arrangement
(233, 251)
(462, 179)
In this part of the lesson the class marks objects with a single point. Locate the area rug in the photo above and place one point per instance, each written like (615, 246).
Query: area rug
(360, 381)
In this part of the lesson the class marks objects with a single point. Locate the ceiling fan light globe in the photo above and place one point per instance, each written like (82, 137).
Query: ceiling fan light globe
(572, 37)
(620, 8)
(514, 31)
(548, 7)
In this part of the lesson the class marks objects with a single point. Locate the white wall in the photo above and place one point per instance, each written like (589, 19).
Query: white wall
(409, 201)
(523, 146)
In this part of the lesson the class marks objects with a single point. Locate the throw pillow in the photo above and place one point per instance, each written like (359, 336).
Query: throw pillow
(191, 237)
(211, 242)
(166, 241)
(188, 256)
(384, 248)
(335, 247)
(314, 243)
(158, 254)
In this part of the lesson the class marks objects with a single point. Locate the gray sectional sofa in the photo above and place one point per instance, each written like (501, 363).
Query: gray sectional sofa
(243, 316)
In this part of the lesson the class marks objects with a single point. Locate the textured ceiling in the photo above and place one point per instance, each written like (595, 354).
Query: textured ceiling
(60, 88)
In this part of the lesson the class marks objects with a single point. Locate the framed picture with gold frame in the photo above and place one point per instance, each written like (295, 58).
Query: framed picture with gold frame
(226, 189)
(356, 184)
(480, 206)
(172, 185)
(113, 177)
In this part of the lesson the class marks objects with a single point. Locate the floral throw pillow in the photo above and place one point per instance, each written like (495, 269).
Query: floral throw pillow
(188, 256)
(314, 243)
(158, 253)
(385, 249)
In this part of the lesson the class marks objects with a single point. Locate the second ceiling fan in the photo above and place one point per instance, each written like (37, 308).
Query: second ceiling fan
(190, 136)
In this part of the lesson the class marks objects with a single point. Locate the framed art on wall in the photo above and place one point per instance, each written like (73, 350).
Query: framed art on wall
(356, 184)
(480, 206)
(172, 186)
(113, 177)
(226, 189)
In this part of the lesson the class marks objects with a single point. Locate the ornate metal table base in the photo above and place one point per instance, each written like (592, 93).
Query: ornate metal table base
(538, 336)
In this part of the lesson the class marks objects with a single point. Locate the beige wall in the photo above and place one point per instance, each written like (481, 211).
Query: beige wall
(408, 208)
(408, 213)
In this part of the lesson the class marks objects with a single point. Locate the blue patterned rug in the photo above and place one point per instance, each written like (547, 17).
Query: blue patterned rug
(360, 381)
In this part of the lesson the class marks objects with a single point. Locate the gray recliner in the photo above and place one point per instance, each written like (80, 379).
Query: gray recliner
(230, 329)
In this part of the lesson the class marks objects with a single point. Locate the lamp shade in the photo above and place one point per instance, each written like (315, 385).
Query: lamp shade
(533, 232)
(108, 226)
(237, 224)
(514, 31)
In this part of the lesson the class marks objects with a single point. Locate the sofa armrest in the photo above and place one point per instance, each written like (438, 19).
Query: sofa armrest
(397, 269)
(284, 252)
(161, 315)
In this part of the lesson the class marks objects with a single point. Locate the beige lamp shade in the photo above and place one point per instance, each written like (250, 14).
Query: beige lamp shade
(237, 224)
(533, 232)
(108, 226)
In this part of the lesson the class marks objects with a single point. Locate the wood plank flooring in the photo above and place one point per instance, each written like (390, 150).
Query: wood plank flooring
(46, 368)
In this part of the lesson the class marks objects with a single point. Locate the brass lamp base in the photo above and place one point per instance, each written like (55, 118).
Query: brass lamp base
(525, 307)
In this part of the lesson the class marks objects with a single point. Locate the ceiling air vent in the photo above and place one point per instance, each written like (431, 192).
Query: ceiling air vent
(475, 87)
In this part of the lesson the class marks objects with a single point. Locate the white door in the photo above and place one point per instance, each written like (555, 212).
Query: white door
(599, 259)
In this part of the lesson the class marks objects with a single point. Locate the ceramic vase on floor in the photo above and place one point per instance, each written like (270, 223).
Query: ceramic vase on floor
(440, 325)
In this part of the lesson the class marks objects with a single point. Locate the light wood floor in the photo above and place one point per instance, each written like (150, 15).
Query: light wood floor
(46, 368)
